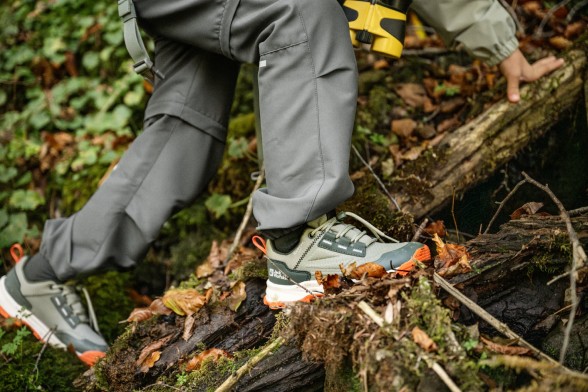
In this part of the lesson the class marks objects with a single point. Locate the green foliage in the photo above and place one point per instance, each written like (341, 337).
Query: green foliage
(60, 74)
(26, 365)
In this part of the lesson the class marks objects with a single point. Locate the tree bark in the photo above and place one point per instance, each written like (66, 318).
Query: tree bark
(473, 152)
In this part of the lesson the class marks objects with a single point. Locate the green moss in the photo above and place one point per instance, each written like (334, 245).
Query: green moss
(56, 370)
(256, 268)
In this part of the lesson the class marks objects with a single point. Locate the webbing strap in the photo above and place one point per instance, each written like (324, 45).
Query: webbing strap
(134, 43)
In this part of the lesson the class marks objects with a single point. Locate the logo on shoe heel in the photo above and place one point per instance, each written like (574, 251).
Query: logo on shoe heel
(279, 273)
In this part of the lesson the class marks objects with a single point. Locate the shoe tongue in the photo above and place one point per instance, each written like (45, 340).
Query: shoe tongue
(318, 221)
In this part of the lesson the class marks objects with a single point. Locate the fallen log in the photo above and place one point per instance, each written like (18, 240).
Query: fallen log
(511, 269)
(470, 154)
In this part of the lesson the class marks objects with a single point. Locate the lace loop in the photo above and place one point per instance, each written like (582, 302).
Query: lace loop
(356, 234)
(70, 293)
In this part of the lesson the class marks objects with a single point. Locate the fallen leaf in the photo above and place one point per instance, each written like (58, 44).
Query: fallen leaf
(150, 361)
(404, 127)
(575, 29)
(149, 350)
(204, 270)
(412, 93)
(448, 124)
(560, 42)
(157, 307)
(140, 314)
(332, 283)
(436, 227)
(529, 208)
(139, 299)
(188, 327)
(238, 295)
(184, 301)
(381, 64)
(451, 105)
(212, 354)
(370, 270)
(451, 259)
(421, 338)
(505, 350)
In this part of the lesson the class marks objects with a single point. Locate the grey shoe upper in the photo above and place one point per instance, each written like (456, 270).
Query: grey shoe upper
(327, 243)
(58, 306)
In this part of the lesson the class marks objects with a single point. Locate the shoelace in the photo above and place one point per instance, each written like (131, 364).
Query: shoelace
(354, 232)
(74, 301)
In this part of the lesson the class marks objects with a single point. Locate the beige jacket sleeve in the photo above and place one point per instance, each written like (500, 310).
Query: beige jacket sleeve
(484, 27)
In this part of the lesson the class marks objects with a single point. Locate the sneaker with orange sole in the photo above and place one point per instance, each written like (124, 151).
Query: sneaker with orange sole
(324, 246)
(54, 312)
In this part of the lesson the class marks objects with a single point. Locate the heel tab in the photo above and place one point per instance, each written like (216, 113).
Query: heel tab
(16, 252)
(259, 243)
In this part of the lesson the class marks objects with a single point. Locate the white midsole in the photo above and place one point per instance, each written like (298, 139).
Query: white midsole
(15, 310)
(291, 293)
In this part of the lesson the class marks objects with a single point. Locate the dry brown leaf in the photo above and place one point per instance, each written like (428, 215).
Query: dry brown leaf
(157, 307)
(451, 259)
(381, 64)
(150, 361)
(404, 127)
(370, 270)
(139, 299)
(502, 349)
(412, 93)
(560, 42)
(140, 314)
(529, 208)
(213, 354)
(575, 29)
(436, 227)
(332, 283)
(188, 327)
(414, 152)
(149, 350)
(214, 257)
(184, 301)
(238, 295)
(204, 270)
(448, 124)
(451, 105)
(421, 338)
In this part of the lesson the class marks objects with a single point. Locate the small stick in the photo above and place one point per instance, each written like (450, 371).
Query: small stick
(539, 33)
(445, 377)
(502, 203)
(419, 231)
(578, 211)
(376, 177)
(249, 365)
(578, 259)
(246, 217)
(371, 313)
(498, 325)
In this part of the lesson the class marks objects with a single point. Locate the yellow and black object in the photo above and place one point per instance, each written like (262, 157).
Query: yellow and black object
(381, 23)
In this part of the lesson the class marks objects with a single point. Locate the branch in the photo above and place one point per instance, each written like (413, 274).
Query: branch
(249, 365)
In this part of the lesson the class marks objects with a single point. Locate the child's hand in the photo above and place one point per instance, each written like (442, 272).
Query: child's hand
(515, 69)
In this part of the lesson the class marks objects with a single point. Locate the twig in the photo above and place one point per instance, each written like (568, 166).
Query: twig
(246, 217)
(575, 9)
(578, 211)
(511, 10)
(498, 325)
(45, 344)
(376, 177)
(453, 214)
(548, 16)
(419, 231)
(371, 313)
(502, 203)
(445, 377)
(578, 260)
(232, 380)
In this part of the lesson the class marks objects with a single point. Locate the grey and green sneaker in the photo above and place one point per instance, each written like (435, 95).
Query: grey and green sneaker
(54, 312)
(326, 244)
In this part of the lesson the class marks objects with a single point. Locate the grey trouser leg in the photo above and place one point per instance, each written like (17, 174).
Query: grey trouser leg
(307, 86)
(164, 170)
(307, 82)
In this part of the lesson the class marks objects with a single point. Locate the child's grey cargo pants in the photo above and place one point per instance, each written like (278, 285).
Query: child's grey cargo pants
(307, 86)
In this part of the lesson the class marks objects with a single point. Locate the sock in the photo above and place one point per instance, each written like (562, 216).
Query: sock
(38, 269)
(285, 240)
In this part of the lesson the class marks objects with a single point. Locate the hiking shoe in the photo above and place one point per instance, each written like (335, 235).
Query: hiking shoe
(54, 312)
(326, 244)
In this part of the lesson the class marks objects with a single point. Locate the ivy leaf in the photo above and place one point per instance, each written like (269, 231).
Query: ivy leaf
(91, 60)
(7, 173)
(218, 204)
(25, 199)
(15, 231)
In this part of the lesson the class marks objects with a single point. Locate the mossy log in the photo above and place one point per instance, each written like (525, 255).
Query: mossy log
(508, 280)
(473, 152)
(511, 269)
